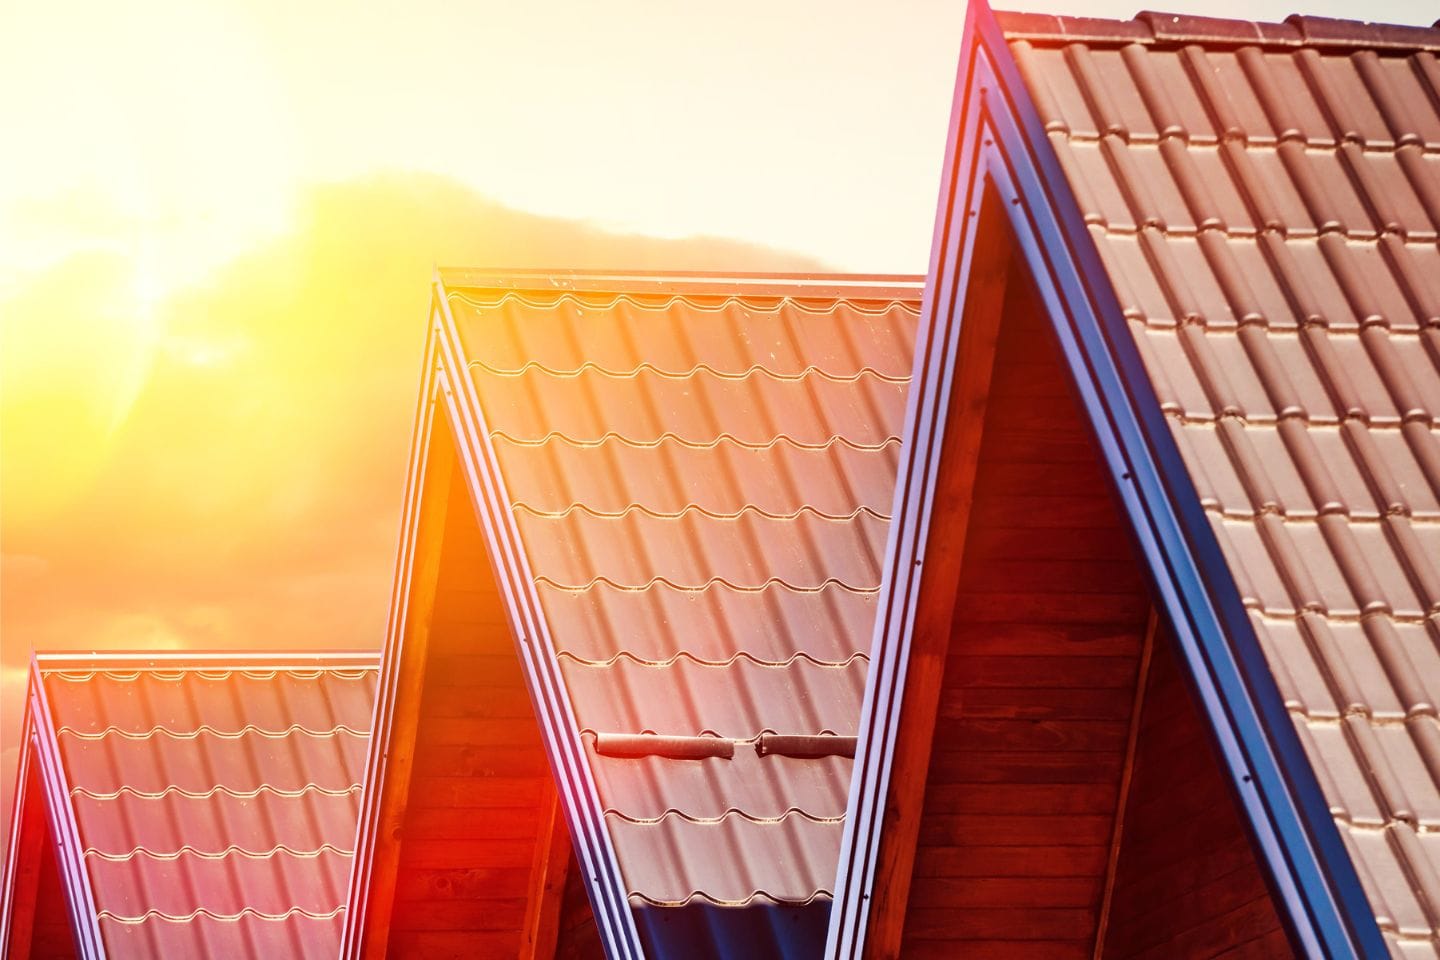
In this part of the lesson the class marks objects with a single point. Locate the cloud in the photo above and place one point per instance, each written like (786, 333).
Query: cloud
(250, 495)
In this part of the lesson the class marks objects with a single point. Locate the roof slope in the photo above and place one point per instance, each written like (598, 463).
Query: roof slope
(214, 798)
(1266, 200)
(701, 475)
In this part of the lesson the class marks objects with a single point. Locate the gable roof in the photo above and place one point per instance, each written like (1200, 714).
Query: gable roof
(1233, 227)
(684, 484)
(199, 804)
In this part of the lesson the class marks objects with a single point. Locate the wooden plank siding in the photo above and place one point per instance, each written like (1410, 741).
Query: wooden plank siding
(579, 937)
(1035, 734)
(1033, 719)
(1187, 884)
(40, 920)
(473, 818)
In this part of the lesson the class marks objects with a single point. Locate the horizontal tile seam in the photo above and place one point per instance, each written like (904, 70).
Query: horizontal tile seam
(654, 583)
(740, 656)
(754, 372)
(249, 913)
(782, 439)
(747, 509)
(665, 303)
(731, 814)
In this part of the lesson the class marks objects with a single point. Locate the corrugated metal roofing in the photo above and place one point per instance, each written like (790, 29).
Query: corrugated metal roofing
(1266, 201)
(702, 482)
(215, 799)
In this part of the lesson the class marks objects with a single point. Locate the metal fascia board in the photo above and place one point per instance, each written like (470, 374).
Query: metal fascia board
(535, 648)
(64, 831)
(1273, 778)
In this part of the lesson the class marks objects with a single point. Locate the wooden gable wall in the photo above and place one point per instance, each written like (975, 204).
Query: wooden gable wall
(1187, 883)
(1034, 713)
(1023, 848)
(482, 849)
(40, 927)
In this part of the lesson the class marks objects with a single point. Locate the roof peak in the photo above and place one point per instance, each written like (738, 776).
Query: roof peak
(1151, 27)
(824, 286)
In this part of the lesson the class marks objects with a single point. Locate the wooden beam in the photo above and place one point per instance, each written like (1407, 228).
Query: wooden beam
(1127, 773)
(410, 647)
(547, 880)
(944, 552)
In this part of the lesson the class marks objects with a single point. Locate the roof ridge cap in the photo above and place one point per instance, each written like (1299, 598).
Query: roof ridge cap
(1151, 26)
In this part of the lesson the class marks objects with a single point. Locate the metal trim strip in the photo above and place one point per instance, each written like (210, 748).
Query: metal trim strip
(64, 830)
(535, 647)
(376, 763)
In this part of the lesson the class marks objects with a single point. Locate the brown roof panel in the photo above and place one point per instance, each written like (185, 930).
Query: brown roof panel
(702, 481)
(215, 798)
(1283, 286)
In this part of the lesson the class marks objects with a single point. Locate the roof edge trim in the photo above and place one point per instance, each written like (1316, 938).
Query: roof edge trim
(535, 649)
(377, 767)
(64, 829)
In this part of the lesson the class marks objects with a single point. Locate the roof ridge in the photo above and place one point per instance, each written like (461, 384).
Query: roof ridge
(665, 300)
(1153, 27)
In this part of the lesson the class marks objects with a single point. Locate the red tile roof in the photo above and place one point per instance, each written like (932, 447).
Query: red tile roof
(214, 798)
(701, 474)
(1266, 200)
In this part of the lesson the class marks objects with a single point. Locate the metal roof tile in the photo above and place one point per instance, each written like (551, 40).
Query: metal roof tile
(702, 485)
(1309, 427)
(215, 798)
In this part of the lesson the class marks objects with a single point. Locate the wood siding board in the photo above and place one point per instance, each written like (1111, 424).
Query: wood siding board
(1186, 883)
(547, 881)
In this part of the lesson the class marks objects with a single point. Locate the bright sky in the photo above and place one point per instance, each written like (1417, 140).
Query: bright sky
(150, 143)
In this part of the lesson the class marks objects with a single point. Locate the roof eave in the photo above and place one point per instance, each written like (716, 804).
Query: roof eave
(996, 134)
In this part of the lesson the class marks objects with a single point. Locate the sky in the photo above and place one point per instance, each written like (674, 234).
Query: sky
(218, 221)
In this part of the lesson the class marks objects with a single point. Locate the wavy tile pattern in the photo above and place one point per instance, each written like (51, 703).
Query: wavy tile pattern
(1266, 199)
(217, 803)
(703, 486)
